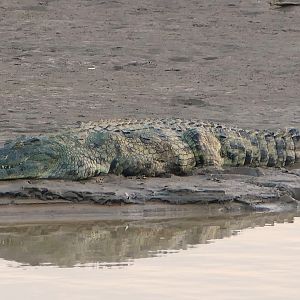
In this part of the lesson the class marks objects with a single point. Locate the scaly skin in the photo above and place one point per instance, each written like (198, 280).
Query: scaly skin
(145, 147)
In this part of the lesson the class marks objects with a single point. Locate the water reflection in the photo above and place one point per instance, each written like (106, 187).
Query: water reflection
(117, 243)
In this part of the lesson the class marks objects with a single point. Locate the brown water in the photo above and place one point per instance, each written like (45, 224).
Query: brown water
(242, 257)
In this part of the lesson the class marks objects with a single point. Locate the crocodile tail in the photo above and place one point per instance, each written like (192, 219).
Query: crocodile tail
(295, 134)
(259, 147)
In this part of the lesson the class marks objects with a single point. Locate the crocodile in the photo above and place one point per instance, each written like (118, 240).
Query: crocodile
(149, 147)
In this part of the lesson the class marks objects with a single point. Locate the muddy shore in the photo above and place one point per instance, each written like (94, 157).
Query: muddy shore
(234, 62)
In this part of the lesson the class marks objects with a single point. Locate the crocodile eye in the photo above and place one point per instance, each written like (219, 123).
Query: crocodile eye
(34, 139)
(31, 141)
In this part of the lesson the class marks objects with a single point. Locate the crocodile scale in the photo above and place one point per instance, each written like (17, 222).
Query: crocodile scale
(150, 147)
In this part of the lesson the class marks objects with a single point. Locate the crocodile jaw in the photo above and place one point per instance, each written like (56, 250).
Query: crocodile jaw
(29, 157)
(47, 158)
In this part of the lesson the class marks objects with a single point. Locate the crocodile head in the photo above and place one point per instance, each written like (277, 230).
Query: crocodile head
(61, 157)
(29, 157)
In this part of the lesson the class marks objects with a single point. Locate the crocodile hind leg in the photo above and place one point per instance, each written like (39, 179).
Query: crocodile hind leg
(151, 152)
(205, 146)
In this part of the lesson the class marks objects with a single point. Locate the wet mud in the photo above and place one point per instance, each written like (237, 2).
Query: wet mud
(234, 189)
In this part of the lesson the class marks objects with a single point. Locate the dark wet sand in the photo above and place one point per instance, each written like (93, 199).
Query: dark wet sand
(234, 188)
(235, 62)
